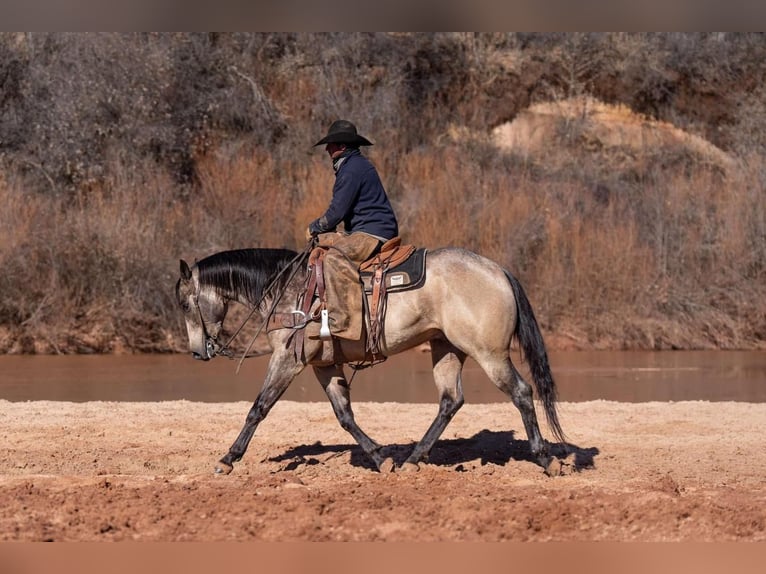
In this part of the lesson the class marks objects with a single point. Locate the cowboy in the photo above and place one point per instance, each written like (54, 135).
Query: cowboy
(358, 197)
(359, 201)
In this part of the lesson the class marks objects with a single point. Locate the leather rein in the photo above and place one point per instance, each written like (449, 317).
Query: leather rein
(211, 343)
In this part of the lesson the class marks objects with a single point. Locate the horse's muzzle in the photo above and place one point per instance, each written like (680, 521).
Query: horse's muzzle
(210, 352)
(210, 348)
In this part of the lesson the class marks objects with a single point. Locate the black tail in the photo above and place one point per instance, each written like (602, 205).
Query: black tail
(531, 341)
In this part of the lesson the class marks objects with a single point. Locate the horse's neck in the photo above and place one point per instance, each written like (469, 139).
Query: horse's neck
(288, 294)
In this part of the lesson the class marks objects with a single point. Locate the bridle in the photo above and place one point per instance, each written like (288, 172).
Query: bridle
(213, 348)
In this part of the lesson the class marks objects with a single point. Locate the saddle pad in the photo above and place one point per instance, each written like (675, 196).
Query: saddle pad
(407, 275)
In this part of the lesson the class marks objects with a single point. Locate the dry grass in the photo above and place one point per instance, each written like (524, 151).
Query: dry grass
(676, 267)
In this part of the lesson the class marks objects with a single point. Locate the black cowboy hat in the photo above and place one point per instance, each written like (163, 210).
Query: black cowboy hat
(343, 132)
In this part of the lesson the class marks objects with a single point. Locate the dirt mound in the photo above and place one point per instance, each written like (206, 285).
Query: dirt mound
(601, 128)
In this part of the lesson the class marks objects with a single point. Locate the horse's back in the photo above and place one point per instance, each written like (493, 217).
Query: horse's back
(465, 297)
(457, 265)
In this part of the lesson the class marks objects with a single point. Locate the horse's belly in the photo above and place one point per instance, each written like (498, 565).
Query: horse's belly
(409, 322)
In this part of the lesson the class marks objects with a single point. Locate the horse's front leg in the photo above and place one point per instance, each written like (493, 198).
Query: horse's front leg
(282, 369)
(335, 385)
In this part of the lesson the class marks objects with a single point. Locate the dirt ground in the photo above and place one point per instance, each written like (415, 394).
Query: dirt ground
(109, 471)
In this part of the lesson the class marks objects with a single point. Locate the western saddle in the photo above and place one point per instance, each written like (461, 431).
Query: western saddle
(395, 267)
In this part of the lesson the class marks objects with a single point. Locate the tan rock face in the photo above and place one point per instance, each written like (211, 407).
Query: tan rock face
(599, 127)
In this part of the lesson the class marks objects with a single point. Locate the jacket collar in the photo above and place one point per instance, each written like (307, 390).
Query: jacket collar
(338, 161)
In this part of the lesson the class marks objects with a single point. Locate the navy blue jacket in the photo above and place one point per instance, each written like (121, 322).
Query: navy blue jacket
(358, 200)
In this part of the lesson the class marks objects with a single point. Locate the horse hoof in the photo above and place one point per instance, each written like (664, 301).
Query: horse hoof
(410, 467)
(386, 466)
(554, 467)
(223, 468)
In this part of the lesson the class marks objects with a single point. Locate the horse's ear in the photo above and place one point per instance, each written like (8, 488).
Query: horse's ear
(185, 271)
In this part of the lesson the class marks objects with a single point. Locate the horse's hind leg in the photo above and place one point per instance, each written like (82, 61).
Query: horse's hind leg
(505, 376)
(447, 365)
(334, 383)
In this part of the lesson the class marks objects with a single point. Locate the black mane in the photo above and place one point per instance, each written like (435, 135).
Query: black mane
(243, 272)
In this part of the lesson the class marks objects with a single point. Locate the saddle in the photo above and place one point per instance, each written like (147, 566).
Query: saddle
(395, 267)
(401, 267)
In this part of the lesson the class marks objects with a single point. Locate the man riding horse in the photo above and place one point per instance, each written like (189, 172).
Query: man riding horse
(359, 201)
(464, 304)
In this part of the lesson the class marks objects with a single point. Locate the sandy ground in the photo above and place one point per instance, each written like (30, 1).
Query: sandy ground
(689, 471)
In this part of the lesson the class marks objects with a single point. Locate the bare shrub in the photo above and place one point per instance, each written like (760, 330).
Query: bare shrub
(23, 285)
(122, 153)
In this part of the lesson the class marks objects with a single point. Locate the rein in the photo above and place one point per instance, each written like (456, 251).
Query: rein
(224, 350)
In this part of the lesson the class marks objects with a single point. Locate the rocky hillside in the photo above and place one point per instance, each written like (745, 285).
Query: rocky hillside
(620, 176)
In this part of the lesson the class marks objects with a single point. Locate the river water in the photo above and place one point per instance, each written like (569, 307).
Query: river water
(634, 376)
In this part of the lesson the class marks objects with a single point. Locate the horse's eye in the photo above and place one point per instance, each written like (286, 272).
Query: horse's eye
(185, 306)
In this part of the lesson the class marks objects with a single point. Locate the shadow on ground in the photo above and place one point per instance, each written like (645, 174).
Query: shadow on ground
(490, 447)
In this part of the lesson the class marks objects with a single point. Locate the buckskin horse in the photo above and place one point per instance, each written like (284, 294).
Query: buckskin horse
(467, 306)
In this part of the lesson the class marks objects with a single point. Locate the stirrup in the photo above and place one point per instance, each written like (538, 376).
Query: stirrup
(324, 329)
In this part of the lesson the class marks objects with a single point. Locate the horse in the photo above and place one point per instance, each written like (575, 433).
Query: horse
(468, 305)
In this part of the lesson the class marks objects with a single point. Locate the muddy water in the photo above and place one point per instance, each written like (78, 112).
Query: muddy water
(580, 376)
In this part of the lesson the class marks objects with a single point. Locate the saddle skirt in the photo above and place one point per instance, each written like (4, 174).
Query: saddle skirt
(400, 274)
